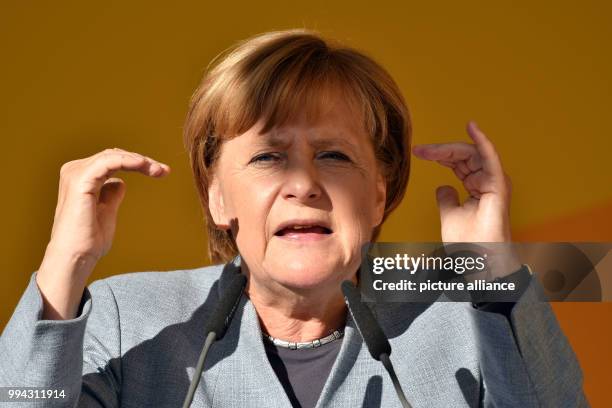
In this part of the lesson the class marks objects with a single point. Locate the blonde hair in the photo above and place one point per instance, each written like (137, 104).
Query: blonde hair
(273, 77)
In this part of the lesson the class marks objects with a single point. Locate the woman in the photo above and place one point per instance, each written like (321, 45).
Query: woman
(300, 151)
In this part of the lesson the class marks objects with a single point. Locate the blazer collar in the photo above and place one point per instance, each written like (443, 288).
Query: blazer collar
(245, 336)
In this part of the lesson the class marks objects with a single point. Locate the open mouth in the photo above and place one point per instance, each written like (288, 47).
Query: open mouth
(297, 230)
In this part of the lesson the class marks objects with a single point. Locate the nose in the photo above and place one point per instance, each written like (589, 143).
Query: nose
(302, 182)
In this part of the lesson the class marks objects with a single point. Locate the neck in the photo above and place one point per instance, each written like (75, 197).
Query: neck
(298, 315)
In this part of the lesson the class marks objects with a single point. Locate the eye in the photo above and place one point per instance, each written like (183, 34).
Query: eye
(265, 157)
(336, 156)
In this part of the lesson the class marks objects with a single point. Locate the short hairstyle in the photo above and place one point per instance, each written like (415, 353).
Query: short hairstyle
(276, 75)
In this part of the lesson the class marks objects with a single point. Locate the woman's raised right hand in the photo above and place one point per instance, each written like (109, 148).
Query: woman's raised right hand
(84, 225)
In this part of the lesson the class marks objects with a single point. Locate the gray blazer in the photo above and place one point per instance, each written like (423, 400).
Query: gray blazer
(138, 336)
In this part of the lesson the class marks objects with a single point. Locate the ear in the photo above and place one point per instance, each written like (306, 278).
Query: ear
(381, 199)
(216, 206)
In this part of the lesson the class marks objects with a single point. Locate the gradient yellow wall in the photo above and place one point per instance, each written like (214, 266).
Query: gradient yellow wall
(78, 78)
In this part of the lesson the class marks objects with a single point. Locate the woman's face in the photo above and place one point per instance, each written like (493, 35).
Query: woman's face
(320, 174)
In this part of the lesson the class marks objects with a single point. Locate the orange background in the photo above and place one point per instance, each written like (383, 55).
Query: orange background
(78, 78)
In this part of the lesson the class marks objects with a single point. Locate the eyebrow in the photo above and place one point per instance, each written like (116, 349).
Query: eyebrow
(280, 142)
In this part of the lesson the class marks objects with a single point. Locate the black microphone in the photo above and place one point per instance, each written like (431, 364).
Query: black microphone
(217, 326)
(223, 314)
(372, 334)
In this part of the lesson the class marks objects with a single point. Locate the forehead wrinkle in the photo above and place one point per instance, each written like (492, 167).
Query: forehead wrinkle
(282, 140)
(331, 142)
(273, 140)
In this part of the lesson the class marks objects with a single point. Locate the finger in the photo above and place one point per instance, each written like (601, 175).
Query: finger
(111, 196)
(112, 193)
(473, 183)
(460, 175)
(114, 160)
(114, 150)
(448, 152)
(447, 199)
(103, 167)
(448, 164)
(482, 182)
(469, 165)
(463, 167)
(490, 159)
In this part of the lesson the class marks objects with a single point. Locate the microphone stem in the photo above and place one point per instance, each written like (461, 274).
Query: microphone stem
(212, 336)
(384, 358)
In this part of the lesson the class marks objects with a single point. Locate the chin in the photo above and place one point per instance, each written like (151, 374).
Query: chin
(309, 275)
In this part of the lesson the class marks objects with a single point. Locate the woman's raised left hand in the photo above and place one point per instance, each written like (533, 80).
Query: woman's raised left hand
(485, 215)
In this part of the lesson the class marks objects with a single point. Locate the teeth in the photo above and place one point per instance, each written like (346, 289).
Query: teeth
(300, 227)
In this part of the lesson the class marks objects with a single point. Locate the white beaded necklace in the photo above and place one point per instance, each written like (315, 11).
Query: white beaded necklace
(293, 345)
